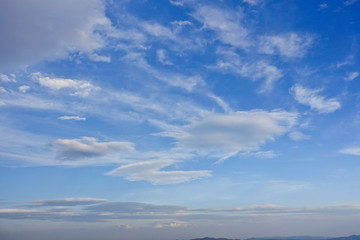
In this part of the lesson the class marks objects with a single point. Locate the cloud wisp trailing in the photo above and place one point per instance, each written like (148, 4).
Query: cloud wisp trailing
(76, 118)
(151, 171)
(66, 202)
(311, 98)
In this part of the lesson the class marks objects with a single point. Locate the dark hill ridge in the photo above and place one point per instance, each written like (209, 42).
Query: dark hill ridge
(353, 237)
(208, 238)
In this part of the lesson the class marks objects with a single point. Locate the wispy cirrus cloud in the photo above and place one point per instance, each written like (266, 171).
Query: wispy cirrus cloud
(162, 58)
(229, 61)
(350, 2)
(298, 136)
(314, 100)
(77, 118)
(226, 24)
(151, 171)
(253, 2)
(187, 82)
(288, 45)
(78, 87)
(76, 201)
(351, 151)
(135, 208)
(351, 76)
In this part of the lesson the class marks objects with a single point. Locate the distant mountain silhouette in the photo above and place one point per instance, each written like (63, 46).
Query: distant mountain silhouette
(208, 238)
(353, 237)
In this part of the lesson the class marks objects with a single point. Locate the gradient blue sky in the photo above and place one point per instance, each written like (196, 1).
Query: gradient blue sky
(179, 119)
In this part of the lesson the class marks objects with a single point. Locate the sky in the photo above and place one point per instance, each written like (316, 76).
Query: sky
(177, 119)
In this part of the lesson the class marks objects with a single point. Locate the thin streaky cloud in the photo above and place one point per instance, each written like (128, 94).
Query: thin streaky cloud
(77, 118)
(351, 151)
(351, 76)
(314, 100)
(151, 171)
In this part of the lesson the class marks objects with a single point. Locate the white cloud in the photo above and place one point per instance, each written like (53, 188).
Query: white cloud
(150, 171)
(311, 97)
(323, 5)
(351, 76)
(226, 134)
(68, 202)
(85, 147)
(252, 2)
(288, 45)
(172, 79)
(32, 101)
(226, 24)
(261, 70)
(77, 118)
(135, 208)
(179, 80)
(6, 78)
(350, 2)
(281, 186)
(49, 30)
(221, 103)
(157, 30)
(97, 58)
(181, 23)
(261, 154)
(3, 90)
(24, 88)
(178, 3)
(81, 88)
(230, 61)
(351, 151)
(162, 58)
(298, 136)
(173, 224)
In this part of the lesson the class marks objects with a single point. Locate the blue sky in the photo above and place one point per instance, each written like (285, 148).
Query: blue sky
(179, 119)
